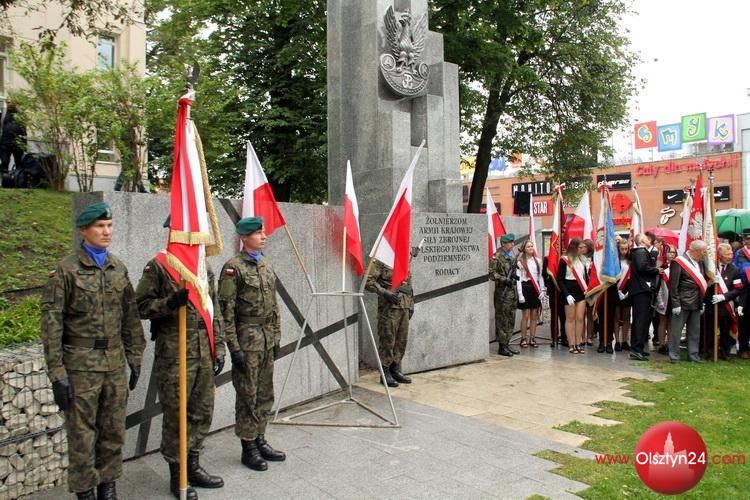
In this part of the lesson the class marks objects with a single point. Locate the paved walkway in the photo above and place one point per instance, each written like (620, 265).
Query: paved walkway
(467, 432)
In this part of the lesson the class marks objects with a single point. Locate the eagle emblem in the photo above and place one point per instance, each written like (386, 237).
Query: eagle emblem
(401, 65)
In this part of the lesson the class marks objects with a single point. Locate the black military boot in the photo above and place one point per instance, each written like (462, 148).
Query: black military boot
(251, 456)
(503, 350)
(267, 452)
(86, 495)
(397, 375)
(388, 378)
(174, 483)
(197, 475)
(106, 491)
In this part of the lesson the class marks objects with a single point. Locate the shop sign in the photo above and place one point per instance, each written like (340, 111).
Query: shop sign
(621, 221)
(669, 167)
(673, 196)
(537, 188)
(541, 208)
(616, 182)
(721, 193)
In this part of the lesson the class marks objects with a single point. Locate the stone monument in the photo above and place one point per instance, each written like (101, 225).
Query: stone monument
(389, 89)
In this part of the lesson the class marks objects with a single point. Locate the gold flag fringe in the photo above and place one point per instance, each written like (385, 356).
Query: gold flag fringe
(215, 247)
(188, 276)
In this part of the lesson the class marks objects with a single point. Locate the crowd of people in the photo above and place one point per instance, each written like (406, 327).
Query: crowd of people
(658, 295)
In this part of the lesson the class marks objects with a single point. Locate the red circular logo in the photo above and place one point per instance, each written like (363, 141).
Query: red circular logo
(670, 458)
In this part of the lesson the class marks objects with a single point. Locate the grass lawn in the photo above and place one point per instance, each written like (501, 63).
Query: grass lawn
(36, 232)
(712, 399)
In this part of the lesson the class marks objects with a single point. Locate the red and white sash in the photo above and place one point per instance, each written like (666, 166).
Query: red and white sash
(746, 252)
(665, 278)
(694, 271)
(534, 283)
(625, 277)
(575, 274)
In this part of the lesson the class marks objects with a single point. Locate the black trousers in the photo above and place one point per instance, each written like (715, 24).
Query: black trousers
(725, 336)
(7, 152)
(641, 321)
(612, 299)
(744, 335)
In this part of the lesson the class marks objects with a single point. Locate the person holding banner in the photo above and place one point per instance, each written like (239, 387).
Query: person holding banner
(90, 328)
(643, 277)
(503, 273)
(687, 287)
(730, 290)
(571, 277)
(531, 290)
(252, 329)
(159, 298)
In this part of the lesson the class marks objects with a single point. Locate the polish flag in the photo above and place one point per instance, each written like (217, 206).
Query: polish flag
(351, 222)
(393, 246)
(532, 227)
(258, 199)
(555, 242)
(582, 224)
(495, 226)
(697, 214)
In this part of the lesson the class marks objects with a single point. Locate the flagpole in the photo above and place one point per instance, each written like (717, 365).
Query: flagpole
(182, 354)
(299, 258)
(343, 262)
(716, 281)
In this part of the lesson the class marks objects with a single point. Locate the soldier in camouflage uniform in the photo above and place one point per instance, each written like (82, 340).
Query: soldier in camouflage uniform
(159, 298)
(395, 309)
(503, 273)
(247, 295)
(90, 327)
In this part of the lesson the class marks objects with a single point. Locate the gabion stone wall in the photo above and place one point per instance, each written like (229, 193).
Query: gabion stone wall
(33, 446)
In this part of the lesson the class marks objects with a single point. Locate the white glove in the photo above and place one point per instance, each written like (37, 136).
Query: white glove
(570, 300)
(676, 310)
(622, 296)
(718, 298)
(740, 312)
(521, 299)
(703, 308)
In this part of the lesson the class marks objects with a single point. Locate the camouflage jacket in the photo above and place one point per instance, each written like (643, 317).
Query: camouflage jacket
(247, 296)
(151, 295)
(379, 280)
(84, 304)
(502, 271)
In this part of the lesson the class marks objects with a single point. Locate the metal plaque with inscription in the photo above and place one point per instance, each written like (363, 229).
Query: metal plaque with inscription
(402, 67)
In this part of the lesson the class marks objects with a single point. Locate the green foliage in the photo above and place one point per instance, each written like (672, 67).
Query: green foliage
(76, 114)
(705, 397)
(37, 226)
(548, 78)
(19, 323)
(262, 79)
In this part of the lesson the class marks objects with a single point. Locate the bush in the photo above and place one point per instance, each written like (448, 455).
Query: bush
(19, 322)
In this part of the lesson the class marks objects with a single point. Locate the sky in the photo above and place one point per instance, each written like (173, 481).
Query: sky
(696, 57)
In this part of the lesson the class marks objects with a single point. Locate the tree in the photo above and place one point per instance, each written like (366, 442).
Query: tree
(262, 79)
(550, 78)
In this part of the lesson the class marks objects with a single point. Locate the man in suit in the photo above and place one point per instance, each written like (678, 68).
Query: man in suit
(742, 262)
(687, 287)
(643, 276)
(731, 292)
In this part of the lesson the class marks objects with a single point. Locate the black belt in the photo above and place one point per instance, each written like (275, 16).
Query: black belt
(90, 342)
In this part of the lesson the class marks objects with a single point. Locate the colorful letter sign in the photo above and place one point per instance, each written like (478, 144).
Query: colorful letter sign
(694, 127)
(721, 129)
(645, 135)
(670, 137)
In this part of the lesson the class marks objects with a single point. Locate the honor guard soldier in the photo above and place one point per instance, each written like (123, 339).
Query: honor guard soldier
(503, 273)
(395, 309)
(159, 298)
(90, 329)
(247, 294)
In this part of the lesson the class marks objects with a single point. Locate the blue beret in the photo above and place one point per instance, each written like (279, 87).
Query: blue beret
(94, 212)
(249, 225)
(508, 238)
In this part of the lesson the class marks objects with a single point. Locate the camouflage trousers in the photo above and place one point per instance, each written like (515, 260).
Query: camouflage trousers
(254, 393)
(393, 332)
(506, 303)
(95, 425)
(200, 405)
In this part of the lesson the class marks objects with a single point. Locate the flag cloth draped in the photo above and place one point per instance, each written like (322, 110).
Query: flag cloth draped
(393, 245)
(697, 215)
(532, 227)
(686, 209)
(351, 222)
(194, 229)
(258, 199)
(636, 223)
(495, 226)
(709, 234)
(555, 240)
(610, 269)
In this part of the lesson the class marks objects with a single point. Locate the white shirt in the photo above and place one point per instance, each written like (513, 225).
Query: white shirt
(580, 268)
(534, 269)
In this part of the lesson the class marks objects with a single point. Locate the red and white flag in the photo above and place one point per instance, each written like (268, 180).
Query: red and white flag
(495, 226)
(194, 229)
(393, 246)
(709, 234)
(582, 224)
(697, 214)
(351, 222)
(636, 221)
(686, 210)
(258, 199)
(555, 241)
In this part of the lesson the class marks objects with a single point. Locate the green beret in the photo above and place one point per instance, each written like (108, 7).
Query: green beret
(508, 238)
(167, 221)
(249, 225)
(97, 211)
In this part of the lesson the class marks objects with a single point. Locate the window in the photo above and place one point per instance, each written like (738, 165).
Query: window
(105, 53)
